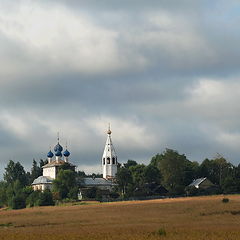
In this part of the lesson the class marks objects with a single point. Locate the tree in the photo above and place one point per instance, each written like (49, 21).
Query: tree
(151, 174)
(42, 163)
(130, 163)
(45, 198)
(217, 169)
(65, 184)
(173, 167)
(15, 195)
(124, 179)
(3, 195)
(138, 177)
(36, 171)
(15, 171)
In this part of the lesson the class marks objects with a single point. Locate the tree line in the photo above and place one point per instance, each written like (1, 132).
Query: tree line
(168, 173)
(175, 172)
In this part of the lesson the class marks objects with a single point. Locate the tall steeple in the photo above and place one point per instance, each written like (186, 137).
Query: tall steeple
(109, 158)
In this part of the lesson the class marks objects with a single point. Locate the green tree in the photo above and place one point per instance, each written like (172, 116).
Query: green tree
(36, 171)
(217, 169)
(15, 171)
(138, 176)
(173, 167)
(3, 194)
(15, 195)
(45, 198)
(130, 163)
(33, 199)
(124, 179)
(151, 174)
(65, 184)
(42, 163)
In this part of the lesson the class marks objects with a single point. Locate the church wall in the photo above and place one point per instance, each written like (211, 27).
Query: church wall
(42, 187)
(49, 172)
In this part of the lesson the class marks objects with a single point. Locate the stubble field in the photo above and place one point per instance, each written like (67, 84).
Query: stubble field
(183, 218)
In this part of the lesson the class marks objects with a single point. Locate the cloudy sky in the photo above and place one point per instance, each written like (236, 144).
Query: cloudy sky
(165, 74)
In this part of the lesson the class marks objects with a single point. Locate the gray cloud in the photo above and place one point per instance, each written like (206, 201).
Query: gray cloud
(165, 74)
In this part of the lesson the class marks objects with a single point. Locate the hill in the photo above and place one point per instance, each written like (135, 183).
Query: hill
(181, 218)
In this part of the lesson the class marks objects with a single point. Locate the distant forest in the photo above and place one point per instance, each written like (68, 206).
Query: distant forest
(168, 174)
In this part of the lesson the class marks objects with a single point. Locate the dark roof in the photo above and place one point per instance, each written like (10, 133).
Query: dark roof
(98, 182)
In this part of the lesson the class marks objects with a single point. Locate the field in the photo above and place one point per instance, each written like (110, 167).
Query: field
(183, 218)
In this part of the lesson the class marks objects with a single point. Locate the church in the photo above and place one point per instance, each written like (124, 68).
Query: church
(55, 160)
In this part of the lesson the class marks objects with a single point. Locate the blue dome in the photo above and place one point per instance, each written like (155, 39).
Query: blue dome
(58, 154)
(66, 153)
(58, 147)
(50, 154)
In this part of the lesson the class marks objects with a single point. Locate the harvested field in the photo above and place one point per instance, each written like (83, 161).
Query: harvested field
(183, 218)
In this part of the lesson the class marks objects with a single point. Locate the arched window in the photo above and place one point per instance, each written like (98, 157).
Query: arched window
(113, 160)
(108, 160)
(103, 161)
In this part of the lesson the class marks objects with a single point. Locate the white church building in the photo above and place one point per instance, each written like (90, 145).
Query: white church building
(51, 169)
(109, 167)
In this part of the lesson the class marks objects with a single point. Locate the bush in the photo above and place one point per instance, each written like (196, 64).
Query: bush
(191, 191)
(45, 198)
(32, 200)
(225, 200)
(17, 202)
(161, 232)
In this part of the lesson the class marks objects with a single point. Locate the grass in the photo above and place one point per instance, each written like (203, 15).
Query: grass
(197, 218)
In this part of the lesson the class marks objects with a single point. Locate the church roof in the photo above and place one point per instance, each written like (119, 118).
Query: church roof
(109, 150)
(98, 182)
(56, 163)
(42, 180)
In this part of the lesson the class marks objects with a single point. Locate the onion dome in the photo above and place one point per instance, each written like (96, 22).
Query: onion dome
(66, 153)
(58, 147)
(58, 153)
(50, 154)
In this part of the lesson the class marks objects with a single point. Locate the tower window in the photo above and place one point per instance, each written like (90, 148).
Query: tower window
(108, 160)
(113, 160)
(103, 161)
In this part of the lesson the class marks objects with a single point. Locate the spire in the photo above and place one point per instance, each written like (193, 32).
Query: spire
(109, 129)
(109, 158)
(58, 137)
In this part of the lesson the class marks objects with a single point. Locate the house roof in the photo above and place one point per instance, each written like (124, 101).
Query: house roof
(42, 180)
(98, 182)
(197, 182)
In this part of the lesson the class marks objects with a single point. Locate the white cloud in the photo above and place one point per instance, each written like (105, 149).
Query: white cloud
(127, 133)
(216, 99)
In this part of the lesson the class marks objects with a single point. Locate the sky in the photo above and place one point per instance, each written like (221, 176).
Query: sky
(164, 73)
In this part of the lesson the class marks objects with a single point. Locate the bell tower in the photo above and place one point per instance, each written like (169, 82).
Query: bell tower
(109, 158)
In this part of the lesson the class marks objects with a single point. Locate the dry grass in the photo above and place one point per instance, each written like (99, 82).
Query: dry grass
(184, 218)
